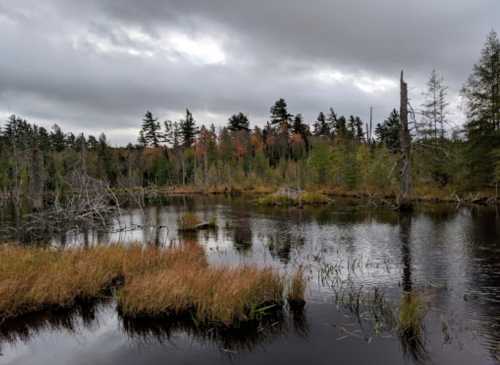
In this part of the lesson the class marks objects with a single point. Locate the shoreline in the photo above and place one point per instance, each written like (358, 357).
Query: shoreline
(377, 198)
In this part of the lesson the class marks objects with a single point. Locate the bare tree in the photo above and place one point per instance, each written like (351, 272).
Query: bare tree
(405, 141)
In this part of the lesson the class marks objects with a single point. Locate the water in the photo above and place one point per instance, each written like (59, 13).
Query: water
(359, 261)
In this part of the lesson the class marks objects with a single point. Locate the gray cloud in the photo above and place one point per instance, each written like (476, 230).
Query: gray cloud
(98, 65)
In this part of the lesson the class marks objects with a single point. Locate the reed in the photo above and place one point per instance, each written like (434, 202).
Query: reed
(296, 291)
(412, 312)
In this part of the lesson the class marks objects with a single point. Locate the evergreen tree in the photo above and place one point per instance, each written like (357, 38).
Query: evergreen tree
(301, 129)
(358, 129)
(355, 128)
(482, 90)
(434, 108)
(239, 122)
(92, 142)
(141, 139)
(167, 135)
(321, 127)
(188, 130)
(279, 114)
(150, 131)
(176, 135)
(388, 132)
(482, 94)
(341, 127)
(332, 121)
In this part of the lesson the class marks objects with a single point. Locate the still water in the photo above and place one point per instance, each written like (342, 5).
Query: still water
(362, 266)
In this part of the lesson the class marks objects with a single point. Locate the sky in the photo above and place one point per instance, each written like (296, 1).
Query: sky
(97, 65)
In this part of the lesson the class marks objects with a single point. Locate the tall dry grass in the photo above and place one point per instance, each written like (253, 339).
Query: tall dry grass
(209, 294)
(297, 288)
(35, 278)
(153, 282)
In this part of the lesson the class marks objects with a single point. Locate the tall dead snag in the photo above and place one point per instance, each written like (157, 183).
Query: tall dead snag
(405, 202)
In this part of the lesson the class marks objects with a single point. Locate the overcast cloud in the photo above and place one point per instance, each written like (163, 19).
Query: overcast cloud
(98, 65)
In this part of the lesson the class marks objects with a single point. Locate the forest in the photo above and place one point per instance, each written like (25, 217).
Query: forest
(335, 154)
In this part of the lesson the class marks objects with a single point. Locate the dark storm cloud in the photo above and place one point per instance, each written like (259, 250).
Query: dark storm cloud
(98, 65)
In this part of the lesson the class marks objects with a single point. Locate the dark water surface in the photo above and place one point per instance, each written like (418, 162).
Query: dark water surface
(363, 265)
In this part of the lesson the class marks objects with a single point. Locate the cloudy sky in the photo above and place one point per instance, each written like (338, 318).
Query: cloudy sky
(98, 65)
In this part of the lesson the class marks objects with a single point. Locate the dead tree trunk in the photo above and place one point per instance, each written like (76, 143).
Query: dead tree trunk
(37, 180)
(405, 202)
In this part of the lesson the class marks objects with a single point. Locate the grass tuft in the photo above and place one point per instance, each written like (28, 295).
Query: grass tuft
(313, 198)
(411, 314)
(296, 291)
(188, 222)
(305, 198)
(225, 295)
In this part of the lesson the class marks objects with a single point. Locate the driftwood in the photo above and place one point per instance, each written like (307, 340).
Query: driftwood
(88, 204)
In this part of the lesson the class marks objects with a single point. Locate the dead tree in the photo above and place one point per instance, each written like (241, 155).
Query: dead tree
(404, 200)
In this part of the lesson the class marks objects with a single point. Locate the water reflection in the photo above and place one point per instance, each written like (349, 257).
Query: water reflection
(369, 268)
(411, 310)
(246, 337)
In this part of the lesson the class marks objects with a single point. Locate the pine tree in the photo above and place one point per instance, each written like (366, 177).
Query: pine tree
(239, 122)
(301, 129)
(57, 138)
(321, 127)
(355, 128)
(482, 90)
(188, 130)
(167, 135)
(341, 127)
(434, 108)
(482, 94)
(280, 115)
(388, 132)
(150, 130)
(332, 121)
(141, 139)
(358, 129)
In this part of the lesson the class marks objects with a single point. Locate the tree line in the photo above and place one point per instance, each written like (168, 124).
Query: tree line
(334, 151)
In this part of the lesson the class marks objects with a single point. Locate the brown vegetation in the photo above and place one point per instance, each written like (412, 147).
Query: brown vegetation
(296, 291)
(173, 281)
(35, 278)
(224, 295)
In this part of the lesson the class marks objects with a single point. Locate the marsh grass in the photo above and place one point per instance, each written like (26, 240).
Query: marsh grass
(314, 198)
(188, 222)
(246, 336)
(33, 279)
(297, 288)
(305, 198)
(146, 281)
(219, 294)
(276, 200)
(412, 311)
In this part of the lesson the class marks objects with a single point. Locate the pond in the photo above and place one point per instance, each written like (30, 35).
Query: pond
(368, 269)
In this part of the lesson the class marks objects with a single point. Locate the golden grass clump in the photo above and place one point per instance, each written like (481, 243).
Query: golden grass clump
(296, 291)
(32, 279)
(209, 294)
(276, 200)
(154, 281)
(412, 312)
(313, 198)
(188, 222)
